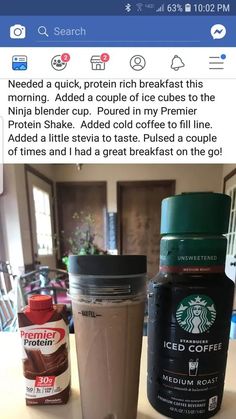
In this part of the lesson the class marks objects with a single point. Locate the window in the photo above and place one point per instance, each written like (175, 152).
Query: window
(231, 249)
(43, 221)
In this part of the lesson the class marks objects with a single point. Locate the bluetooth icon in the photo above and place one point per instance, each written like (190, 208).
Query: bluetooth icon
(128, 7)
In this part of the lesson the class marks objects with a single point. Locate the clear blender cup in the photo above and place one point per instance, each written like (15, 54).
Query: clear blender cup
(108, 299)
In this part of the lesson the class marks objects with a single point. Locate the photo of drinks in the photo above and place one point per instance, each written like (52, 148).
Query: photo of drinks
(133, 264)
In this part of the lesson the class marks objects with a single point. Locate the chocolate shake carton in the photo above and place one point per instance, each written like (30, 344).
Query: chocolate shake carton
(44, 336)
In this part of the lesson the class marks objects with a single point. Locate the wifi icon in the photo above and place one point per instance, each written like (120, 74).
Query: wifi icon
(139, 7)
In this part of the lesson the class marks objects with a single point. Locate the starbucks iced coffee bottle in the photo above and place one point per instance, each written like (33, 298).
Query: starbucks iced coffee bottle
(190, 306)
(108, 297)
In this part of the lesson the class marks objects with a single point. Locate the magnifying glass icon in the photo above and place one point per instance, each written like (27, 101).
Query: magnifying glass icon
(42, 30)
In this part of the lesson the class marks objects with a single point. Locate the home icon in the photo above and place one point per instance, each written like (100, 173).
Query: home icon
(97, 63)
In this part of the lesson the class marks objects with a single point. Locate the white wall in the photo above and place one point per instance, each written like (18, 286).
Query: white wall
(188, 177)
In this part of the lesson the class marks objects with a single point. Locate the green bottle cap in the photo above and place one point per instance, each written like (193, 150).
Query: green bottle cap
(199, 212)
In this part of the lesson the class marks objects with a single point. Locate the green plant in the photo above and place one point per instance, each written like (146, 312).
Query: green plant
(83, 239)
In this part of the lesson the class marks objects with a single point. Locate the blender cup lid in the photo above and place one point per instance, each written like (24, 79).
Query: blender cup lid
(107, 265)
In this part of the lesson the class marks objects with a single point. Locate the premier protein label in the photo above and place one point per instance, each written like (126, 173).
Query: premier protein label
(42, 336)
(51, 334)
(45, 361)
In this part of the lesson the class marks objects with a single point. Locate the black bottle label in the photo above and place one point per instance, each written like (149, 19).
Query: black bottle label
(188, 332)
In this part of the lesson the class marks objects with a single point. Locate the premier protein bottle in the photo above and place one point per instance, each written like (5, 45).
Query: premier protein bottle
(190, 307)
(44, 336)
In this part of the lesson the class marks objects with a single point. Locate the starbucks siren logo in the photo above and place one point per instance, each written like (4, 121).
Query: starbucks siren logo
(196, 313)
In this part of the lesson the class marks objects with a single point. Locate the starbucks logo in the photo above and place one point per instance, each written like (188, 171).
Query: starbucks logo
(196, 313)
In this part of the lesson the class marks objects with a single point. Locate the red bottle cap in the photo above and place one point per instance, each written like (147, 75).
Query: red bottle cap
(40, 302)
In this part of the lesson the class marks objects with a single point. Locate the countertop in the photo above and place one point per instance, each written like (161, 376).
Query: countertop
(12, 386)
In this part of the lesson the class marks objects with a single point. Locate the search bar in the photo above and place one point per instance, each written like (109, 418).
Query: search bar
(63, 31)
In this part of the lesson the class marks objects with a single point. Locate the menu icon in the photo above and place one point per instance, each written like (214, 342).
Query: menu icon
(217, 62)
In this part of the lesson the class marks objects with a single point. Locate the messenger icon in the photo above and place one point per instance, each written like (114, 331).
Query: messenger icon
(218, 31)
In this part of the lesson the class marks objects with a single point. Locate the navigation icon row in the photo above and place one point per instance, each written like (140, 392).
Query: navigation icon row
(137, 62)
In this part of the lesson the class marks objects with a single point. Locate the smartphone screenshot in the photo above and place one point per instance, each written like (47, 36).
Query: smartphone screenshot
(108, 109)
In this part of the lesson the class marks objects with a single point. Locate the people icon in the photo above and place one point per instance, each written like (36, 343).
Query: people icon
(137, 62)
(58, 63)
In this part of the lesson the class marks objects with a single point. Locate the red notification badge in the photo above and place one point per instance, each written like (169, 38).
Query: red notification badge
(105, 57)
(65, 57)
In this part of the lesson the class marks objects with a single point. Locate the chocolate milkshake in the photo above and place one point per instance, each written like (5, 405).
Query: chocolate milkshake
(108, 298)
